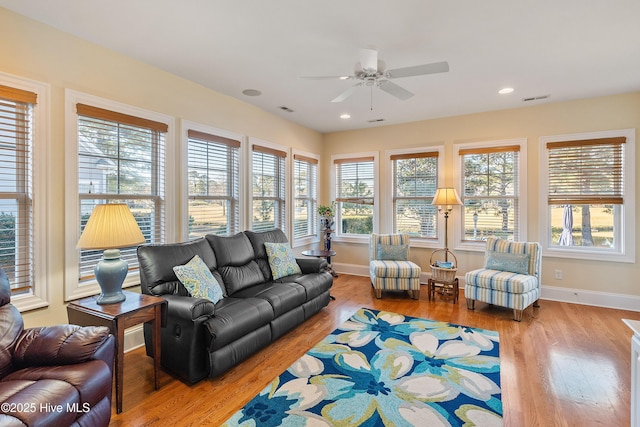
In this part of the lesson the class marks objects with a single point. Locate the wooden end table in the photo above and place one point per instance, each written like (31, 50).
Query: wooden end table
(322, 254)
(135, 309)
(446, 289)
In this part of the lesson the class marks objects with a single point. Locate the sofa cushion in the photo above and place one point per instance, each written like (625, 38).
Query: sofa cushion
(395, 269)
(196, 277)
(235, 318)
(282, 296)
(258, 239)
(505, 281)
(281, 260)
(236, 262)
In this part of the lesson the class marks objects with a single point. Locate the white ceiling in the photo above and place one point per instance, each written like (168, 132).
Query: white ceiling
(568, 49)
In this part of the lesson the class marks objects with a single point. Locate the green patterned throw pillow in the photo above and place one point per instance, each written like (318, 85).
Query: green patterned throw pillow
(393, 252)
(281, 260)
(197, 278)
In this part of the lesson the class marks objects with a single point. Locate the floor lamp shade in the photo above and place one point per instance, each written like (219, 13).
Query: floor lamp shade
(446, 199)
(111, 227)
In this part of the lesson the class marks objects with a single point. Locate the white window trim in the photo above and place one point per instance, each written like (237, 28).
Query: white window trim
(354, 238)
(183, 209)
(42, 187)
(309, 239)
(72, 288)
(456, 215)
(287, 229)
(627, 251)
(387, 220)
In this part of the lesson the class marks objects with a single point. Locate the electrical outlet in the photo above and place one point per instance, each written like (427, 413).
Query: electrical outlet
(558, 274)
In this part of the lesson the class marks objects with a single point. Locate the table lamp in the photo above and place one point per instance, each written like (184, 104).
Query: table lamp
(446, 199)
(111, 227)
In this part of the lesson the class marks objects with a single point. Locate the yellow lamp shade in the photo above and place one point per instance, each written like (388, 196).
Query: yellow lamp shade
(110, 226)
(446, 197)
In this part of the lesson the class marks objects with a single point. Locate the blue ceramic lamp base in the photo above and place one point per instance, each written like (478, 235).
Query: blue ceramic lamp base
(110, 273)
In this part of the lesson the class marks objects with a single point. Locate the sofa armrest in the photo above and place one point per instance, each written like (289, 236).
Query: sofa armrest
(61, 345)
(188, 307)
(312, 265)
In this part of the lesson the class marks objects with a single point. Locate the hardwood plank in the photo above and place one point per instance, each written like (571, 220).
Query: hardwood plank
(563, 365)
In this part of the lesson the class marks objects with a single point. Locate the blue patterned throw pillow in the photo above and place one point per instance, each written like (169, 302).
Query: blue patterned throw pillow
(197, 278)
(515, 263)
(281, 260)
(393, 252)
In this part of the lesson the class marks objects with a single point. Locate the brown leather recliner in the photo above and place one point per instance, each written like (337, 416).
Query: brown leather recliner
(55, 375)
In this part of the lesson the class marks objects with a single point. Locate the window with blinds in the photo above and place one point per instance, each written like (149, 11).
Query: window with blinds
(120, 160)
(355, 191)
(213, 164)
(16, 192)
(491, 192)
(268, 188)
(305, 183)
(586, 192)
(415, 179)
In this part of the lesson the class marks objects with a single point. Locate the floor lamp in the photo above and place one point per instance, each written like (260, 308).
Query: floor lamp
(445, 199)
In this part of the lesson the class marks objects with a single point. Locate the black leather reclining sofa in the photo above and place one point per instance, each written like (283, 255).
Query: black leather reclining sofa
(204, 339)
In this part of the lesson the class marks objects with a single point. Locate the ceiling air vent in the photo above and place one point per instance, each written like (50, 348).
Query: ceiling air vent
(375, 121)
(287, 109)
(535, 98)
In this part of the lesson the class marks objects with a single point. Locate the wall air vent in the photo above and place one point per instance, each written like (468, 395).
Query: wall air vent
(375, 121)
(287, 109)
(535, 98)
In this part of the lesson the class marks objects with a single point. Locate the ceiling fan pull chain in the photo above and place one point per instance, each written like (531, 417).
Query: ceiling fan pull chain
(371, 97)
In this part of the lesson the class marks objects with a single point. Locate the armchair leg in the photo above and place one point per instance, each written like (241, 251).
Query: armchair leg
(536, 303)
(471, 304)
(517, 315)
(415, 294)
(378, 293)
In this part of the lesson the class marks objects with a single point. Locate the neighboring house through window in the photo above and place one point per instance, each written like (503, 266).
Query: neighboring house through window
(492, 179)
(588, 184)
(213, 184)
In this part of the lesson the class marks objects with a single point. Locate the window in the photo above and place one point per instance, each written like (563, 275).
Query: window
(16, 191)
(586, 194)
(116, 154)
(213, 184)
(415, 179)
(492, 179)
(268, 167)
(305, 188)
(355, 188)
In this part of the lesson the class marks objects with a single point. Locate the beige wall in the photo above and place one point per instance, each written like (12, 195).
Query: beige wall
(597, 114)
(31, 50)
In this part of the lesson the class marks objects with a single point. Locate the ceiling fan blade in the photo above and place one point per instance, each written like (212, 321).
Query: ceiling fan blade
(418, 70)
(326, 77)
(395, 90)
(369, 60)
(347, 93)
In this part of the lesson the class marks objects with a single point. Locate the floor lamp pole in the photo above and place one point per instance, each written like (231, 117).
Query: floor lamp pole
(446, 235)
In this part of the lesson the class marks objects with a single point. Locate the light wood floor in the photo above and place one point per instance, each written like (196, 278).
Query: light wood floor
(563, 365)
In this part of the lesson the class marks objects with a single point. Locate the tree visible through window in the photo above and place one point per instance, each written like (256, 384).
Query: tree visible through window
(490, 196)
(268, 188)
(415, 179)
(355, 190)
(305, 186)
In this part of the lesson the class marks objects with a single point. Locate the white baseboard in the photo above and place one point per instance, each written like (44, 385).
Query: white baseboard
(133, 338)
(551, 293)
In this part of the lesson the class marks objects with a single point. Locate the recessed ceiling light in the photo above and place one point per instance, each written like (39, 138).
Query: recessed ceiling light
(345, 116)
(344, 78)
(505, 90)
(252, 92)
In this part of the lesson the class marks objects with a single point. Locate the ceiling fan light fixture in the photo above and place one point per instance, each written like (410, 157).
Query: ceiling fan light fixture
(345, 116)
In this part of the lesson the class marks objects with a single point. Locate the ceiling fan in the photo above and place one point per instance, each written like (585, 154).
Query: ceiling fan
(372, 72)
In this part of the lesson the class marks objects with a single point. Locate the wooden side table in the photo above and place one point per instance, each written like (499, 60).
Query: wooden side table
(447, 289)
(135, 309)
(322, 254)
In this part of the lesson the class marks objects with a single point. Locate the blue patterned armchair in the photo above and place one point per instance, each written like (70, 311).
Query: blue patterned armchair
(389, 265)
(510, 277)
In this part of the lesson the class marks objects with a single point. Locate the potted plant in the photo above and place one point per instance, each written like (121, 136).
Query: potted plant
(327, 214)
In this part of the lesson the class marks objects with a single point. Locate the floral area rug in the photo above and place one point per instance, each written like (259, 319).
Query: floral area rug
(386, 369)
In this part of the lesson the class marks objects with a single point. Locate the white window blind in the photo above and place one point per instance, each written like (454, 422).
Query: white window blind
(490, 196)
(213, 184)
(120, 160)
(415, 179)
(16, 192)
(305, 221)
(586, 172)
(269, 188)
(355, 190)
